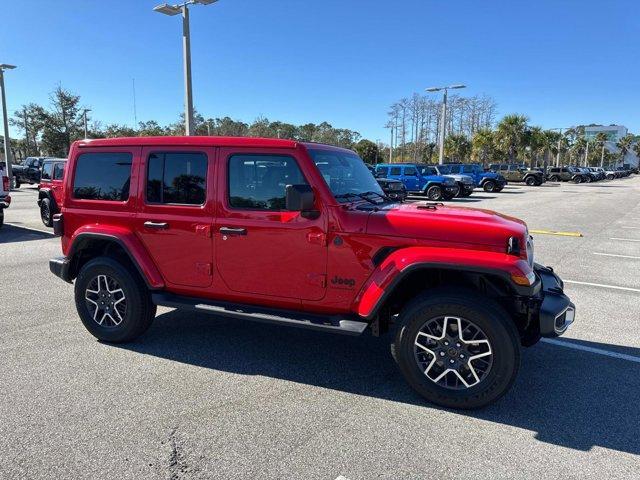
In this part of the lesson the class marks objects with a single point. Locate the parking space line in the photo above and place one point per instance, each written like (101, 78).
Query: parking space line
(597, 351)
(625, 239)
(630, 228)
(615, 255)
(614, 287)
(552, 232)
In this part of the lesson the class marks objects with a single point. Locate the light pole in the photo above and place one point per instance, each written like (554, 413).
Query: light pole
(5, 121)
(84, 116)
(172, 10)
(443, 120)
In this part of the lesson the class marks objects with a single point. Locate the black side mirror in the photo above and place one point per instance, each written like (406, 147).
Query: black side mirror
(299, 198)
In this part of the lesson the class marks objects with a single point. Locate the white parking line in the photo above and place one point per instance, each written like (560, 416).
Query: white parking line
(598, 351)
(614, 287)
(625, 239)
(629, 228)
(615, 255)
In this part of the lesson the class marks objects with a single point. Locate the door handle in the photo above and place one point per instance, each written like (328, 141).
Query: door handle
(156, 225)
(233, 231)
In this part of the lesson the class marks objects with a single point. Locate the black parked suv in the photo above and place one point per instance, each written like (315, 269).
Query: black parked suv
(394, 189)
(28, 172)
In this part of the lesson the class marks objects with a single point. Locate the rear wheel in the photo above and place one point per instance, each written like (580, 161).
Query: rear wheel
(577, 179)
(434, 192)
(16, 182)
(457, 349)
(1, 217)
(113, 302)
(554, 178)
(489, 186)
(45, 212)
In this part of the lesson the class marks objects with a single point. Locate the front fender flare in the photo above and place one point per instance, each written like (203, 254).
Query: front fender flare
(402, 262)
(126, 239)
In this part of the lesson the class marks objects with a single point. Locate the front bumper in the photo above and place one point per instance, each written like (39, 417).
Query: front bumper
(556, 311)
(396, 195)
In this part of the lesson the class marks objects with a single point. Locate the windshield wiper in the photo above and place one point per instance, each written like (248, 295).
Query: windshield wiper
(363, 196)
(383, 197)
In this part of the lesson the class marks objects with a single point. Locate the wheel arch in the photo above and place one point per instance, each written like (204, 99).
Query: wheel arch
(128, 250)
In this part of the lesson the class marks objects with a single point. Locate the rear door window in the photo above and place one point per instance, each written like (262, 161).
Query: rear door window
(103, 176)
(177, 178)
(410, 171)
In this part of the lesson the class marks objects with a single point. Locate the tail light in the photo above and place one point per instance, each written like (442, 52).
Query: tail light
(5, 183)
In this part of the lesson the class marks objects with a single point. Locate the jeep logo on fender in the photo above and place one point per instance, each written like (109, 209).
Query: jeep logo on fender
(343, 282)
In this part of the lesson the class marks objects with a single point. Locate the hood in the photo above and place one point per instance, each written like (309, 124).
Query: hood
(461, 177)
(446, 224)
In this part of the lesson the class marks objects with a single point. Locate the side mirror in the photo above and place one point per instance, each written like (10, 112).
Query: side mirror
(299, 198)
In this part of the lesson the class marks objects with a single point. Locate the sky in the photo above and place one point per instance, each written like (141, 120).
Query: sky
(561, 63)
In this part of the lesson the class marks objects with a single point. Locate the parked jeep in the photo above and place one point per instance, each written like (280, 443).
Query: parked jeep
(518, 173)
(300, 234)
(5, 190)
(466, 185)
(598, 172)
(488, 181)
(564, 174)
(28, 172)
(394, 189)
(50, 189)
(420, 179)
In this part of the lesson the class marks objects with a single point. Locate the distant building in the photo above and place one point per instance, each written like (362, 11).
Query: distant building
(614, 132)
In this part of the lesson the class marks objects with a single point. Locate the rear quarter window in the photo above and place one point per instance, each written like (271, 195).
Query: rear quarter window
(103, 176)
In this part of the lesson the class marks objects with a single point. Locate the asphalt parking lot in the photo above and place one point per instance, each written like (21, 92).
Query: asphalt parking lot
(201, 397)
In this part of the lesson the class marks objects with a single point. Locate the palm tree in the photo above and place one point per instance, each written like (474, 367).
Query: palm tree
(511, 134)
(457, 147)
(579, 147)
(483, 145)
(624, 145)
(535, 140)
(550, 145)
(601, 141)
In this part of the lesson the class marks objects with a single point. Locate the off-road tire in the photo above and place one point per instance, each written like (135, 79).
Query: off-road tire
(577, 179)
(554, 178)
(46, 215)
(486, 314)
(434, 193)
(531, 181)
(140, 310)
(16, 182)
(489, 186)
(1, 217)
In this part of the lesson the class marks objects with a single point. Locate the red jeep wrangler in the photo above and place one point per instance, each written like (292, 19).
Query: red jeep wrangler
(50, 188)
(301, 234)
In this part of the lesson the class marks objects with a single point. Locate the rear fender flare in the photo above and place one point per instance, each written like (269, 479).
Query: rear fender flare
(400, 263)
(131, 245)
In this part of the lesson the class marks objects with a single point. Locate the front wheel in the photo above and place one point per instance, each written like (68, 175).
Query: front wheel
(434, 192)
(1, 217)
(113, 302)
(457, 349)
(531, 181)
(489, 186)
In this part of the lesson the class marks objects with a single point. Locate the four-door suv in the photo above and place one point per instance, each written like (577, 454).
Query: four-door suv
(564, 174)
(300, 234)
(488, 181)
(50, 189)
(518, 173)
(465, 183)
(394, 189)
(420, 179)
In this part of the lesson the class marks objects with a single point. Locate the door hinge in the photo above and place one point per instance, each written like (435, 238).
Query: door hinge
(205, 269)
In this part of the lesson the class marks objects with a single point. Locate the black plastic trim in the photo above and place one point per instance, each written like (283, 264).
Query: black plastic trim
(519, 290)
(59, 266)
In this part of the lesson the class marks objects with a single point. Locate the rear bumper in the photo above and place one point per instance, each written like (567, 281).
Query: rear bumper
(556, 311)
(5, 201)
(59, 266)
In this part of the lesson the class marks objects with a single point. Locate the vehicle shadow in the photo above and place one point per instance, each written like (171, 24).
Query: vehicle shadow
(14, 233)
(475, 198)
(570, 398)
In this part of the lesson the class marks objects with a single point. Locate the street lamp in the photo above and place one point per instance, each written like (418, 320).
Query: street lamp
(84, 116)
(5, 121)
(172, 10)
(443, 120)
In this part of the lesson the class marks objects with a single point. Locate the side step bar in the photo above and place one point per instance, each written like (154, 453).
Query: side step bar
(325, 323)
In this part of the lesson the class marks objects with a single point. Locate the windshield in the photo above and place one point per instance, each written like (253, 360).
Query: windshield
(346, 174)
(426, 171)
(444, 169)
